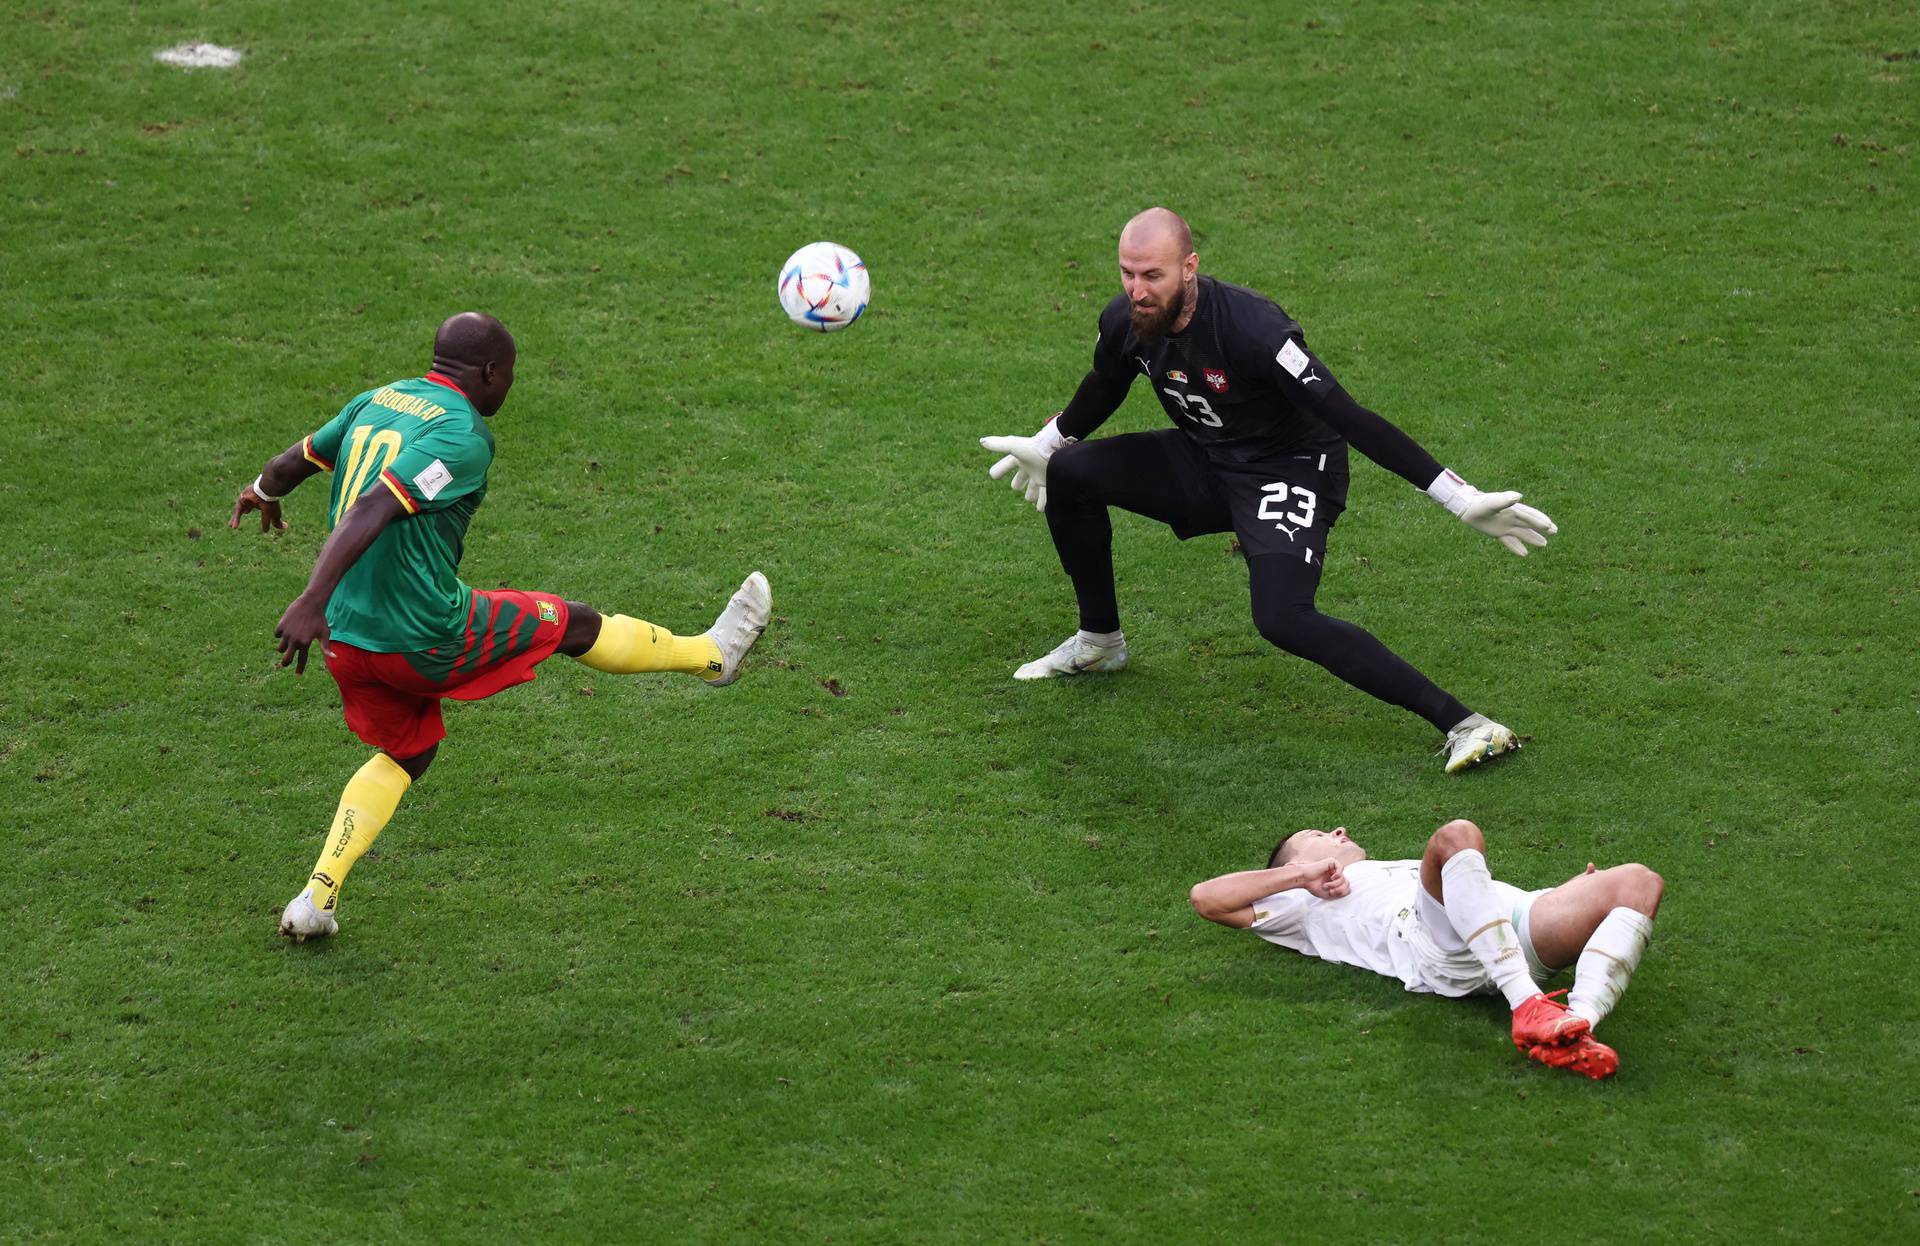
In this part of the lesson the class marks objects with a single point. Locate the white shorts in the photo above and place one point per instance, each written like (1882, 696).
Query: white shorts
(1443, 957)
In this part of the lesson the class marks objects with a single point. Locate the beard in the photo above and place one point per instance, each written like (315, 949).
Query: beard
(1152, 324)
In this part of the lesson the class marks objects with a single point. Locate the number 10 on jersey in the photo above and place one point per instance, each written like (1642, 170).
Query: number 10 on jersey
(363, 466)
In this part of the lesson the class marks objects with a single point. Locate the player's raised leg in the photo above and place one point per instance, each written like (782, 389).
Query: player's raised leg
(621, 645)
(1600, 923)
(366, 806)
(1453, 871)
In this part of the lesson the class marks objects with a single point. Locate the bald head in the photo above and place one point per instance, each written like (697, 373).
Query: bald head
(476, 352)
(1157, 270)
(1158, 230)
(472, 338)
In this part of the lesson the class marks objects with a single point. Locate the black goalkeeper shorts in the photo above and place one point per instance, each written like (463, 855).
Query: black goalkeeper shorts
(1287, 506)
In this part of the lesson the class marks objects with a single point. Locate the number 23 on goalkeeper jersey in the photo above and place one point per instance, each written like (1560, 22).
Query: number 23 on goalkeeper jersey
(422, 441)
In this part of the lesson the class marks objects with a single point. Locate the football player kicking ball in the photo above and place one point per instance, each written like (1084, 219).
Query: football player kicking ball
(1258, 448)
(399, 630)
(1444, 925)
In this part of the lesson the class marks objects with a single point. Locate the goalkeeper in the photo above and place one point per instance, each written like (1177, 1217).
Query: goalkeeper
(1258, 448)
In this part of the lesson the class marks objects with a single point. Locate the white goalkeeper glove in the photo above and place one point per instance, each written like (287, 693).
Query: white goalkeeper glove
(1026, 458)
(1496, 514)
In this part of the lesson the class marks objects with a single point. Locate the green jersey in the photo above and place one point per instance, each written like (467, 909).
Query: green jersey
(425, 443)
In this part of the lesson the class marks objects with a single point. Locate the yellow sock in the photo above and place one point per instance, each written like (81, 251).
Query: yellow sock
(372, 794)
(628, 646)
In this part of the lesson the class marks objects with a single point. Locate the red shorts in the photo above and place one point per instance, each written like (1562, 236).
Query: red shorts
(392, 700)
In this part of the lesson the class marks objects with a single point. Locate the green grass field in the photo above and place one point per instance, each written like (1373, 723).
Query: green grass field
(878, 945)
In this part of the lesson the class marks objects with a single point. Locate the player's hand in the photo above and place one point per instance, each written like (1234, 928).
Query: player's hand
(1499, 515)
(251, 501)
(303, 623)
(1327, 880)
(1502, 515)
(1026, 458)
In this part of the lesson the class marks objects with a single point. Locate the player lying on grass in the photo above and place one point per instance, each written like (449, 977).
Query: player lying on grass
(398, 628)
(1444, 925)
(1258, 448)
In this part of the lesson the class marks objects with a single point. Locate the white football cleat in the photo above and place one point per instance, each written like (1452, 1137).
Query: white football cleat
(738, 626)
(301, 921)
(1476, 740)
(1076, 656)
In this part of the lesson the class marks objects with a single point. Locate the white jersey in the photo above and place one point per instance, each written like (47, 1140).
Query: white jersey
(1379, 925)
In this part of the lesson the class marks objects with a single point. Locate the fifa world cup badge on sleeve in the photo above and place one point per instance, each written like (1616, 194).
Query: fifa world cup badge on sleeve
(432, 479)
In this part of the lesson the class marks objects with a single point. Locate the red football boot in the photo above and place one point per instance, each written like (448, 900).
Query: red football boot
(1585, 1055)
(1543, 1021)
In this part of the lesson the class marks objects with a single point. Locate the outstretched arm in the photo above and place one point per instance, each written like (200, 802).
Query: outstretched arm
(1499, 515)
(1372, 434)
(280, 477)
(1229, 898)
(305, 621)
(1100, 394)
(1026, 457)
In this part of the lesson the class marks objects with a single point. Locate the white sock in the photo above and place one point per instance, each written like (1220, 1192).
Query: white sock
(1485, 921)
(1471, 720)
(1106, 640)
(1607, 962)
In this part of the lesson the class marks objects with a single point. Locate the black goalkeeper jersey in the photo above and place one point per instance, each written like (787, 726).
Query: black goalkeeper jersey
(1240, 381)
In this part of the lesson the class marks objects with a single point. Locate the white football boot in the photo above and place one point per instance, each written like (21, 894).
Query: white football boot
(1076, 656)
(739, 625)
(1475, 740)
(301, 921)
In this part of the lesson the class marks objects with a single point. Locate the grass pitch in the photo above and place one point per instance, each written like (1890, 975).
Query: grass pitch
(877, 945)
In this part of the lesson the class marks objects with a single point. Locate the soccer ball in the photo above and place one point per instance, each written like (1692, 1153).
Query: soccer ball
(823, 286)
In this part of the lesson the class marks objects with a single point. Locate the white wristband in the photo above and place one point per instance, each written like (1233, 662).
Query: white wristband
(1447, 488)
(260, 493)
